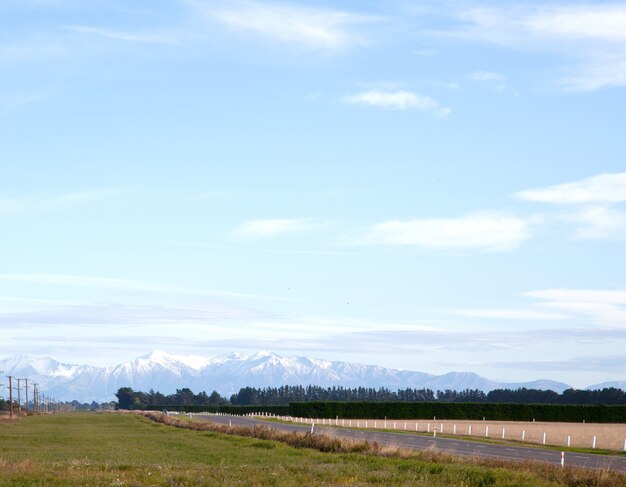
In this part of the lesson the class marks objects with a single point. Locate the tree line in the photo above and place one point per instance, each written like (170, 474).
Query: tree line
(129, 399)
(288, 394)
(284, 395)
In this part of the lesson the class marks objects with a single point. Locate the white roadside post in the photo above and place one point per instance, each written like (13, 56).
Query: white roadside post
(503, 432)
(486, 430)
(569, 438)
(523, 435)
(544, 438)
(312, 427)
(454, 430)
(435, 432)
(594, 443)
(562, 459)
(469, 430)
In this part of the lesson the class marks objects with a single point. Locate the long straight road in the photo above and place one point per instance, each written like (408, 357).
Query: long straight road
(450, 445)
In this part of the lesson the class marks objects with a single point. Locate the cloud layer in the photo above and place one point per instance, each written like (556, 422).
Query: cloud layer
(482, 231)
(398, 100)
(308, 27)
(603, 188)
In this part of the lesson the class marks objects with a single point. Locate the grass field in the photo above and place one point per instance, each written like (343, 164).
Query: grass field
(116, 449)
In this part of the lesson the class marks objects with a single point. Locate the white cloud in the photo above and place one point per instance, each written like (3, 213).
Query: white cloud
(603, 188)
(274, 227)
(398, 100)
(115, 284)
(115, 314)
(314, 28)
(150, 38)
(609, 72)
(593, 33)
(606, 22)
(599, 222)
(485, 76)
(483, 231)
(521, 25)
(510, 314)
(595, 196)
(495, 80)
(606, 296)
(606, 307)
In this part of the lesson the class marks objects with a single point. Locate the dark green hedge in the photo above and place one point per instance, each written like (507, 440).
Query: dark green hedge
(471, 411)
(276, 410)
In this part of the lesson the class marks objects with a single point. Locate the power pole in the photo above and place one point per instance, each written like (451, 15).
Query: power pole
(26, 396)
(19, 397)
(35, 397)
(10, 396)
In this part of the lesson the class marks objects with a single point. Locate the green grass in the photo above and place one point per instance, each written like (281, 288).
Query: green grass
(126, 449)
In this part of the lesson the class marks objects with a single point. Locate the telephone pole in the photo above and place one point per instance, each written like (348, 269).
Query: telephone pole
(10, 396)
(26, 396)
(19, 397)
(35, 397)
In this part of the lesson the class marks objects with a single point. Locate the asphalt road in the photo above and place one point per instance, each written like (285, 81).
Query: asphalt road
(450, 445)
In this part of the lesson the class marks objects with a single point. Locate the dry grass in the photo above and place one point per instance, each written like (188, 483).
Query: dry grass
(568, 476)
(320, 442)
(608, 436)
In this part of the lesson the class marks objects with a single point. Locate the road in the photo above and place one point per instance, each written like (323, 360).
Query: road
(450, 445)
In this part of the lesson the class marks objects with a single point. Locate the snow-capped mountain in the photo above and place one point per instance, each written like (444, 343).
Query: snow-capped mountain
(617, 384)
(228, 373)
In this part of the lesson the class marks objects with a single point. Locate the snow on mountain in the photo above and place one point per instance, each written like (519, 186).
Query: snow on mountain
(228, 373)
(618, 384)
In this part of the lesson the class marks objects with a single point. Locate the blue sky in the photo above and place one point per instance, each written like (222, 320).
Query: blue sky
(433, 186)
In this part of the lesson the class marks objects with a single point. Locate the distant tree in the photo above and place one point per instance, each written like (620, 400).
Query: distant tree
(125, 397)
(247, 396)
(215, 399)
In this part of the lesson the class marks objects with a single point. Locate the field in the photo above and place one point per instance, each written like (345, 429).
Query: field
(117, 449)
(608, 436)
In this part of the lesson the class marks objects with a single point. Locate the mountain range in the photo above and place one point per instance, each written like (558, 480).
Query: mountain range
(228, 373)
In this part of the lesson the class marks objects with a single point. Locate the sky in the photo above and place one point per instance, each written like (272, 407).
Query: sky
(427, 185)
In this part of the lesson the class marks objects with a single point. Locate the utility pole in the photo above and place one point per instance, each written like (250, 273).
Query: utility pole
(10, 396)
(19, 398)
(26, 396)
(35, 397)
